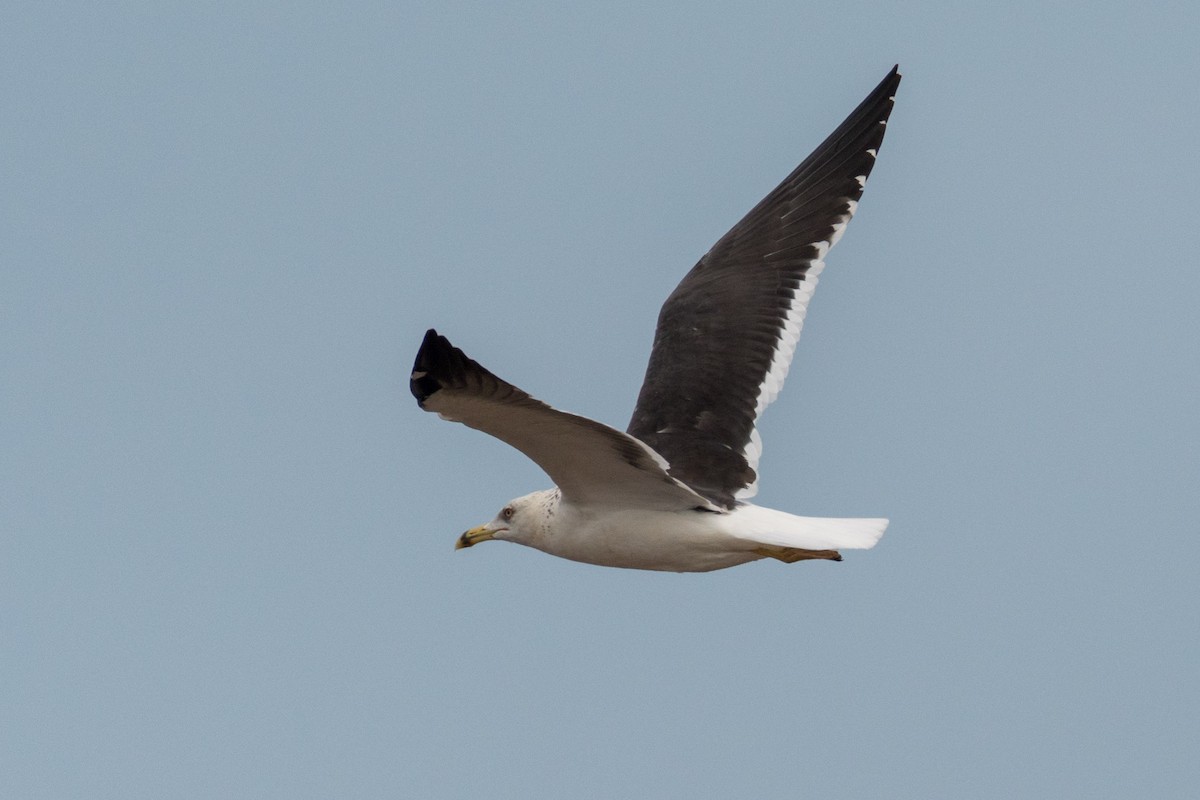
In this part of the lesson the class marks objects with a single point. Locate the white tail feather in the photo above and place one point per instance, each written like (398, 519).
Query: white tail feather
(778, 528)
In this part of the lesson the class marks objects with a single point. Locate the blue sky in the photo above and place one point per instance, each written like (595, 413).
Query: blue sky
(226, 530)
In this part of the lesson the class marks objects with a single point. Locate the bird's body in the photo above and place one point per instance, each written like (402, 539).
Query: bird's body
(670, 494)
(691, 540)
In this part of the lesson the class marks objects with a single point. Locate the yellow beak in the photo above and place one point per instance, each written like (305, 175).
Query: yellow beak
(474, 537)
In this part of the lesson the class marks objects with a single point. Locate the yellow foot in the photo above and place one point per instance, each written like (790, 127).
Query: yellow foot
(790, 555)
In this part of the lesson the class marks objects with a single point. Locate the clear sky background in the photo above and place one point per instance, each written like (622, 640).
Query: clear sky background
(226, 530)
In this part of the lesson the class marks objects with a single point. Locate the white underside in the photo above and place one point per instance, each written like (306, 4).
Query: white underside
(694, 541)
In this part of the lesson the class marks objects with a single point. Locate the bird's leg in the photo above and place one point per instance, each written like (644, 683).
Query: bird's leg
(790, 555)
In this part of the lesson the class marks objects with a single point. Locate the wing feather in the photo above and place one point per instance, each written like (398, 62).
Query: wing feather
(590, 462)
(726, 335)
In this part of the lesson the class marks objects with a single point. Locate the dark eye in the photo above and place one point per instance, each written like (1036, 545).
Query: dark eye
(507, 513)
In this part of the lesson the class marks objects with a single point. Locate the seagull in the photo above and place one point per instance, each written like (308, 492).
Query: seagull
(670, 493)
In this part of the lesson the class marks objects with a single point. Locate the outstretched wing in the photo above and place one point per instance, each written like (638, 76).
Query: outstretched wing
(726, 335)
(591, 463)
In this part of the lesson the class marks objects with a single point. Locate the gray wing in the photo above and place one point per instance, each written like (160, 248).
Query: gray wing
(591, 463)
(726, 335)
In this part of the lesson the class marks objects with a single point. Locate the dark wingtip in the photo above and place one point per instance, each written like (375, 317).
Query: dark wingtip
(890, 81)
(440, 366)
(431, 358)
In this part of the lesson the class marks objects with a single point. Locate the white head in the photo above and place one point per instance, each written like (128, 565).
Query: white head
(524, 521)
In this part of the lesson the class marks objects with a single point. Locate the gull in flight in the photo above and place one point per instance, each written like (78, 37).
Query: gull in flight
(670, 493)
